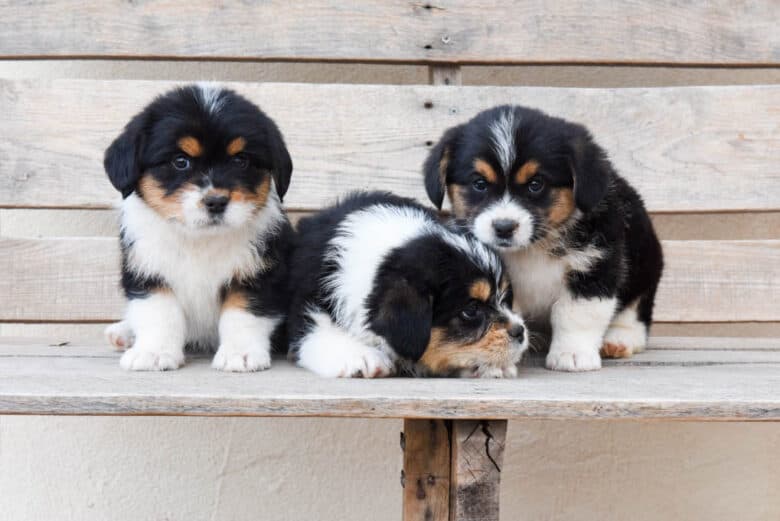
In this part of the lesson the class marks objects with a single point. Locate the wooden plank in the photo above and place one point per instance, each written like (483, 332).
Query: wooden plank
(426, 472)
(535, 31)
(477, 458)
(671, 143)
(95, 385)
(76, 279)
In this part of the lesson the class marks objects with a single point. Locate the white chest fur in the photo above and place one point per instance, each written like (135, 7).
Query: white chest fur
(196, 266)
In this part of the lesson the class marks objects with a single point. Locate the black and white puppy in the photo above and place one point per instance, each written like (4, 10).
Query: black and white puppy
(204, 239)
(381, 285)
(575, 237)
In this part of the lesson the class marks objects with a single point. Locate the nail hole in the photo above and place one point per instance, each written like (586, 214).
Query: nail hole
(429, 143)
(428, 104)
(428, 47)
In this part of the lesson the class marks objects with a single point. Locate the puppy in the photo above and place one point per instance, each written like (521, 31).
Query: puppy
(202, 172)
(380, 285)
(575, 237)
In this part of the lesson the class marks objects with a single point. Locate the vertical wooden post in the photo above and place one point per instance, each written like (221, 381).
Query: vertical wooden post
(477, 457)
(426, 473)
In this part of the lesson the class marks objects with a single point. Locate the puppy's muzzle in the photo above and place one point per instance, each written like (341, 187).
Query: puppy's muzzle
(504, 228)
(215, 204)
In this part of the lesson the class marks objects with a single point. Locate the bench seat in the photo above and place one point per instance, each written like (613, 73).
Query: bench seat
(676, 378)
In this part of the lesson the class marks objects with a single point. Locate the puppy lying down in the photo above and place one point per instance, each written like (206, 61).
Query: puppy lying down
(380, 286)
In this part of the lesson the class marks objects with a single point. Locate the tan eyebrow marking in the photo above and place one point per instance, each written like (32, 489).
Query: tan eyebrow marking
(190, 146)
(562, 207)
(236, 146)
(480, 290)
(484, 168)
(527, 171)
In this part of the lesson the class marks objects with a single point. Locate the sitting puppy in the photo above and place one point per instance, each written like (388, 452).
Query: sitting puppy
(203, 235)
(575, 237)
(379, 284)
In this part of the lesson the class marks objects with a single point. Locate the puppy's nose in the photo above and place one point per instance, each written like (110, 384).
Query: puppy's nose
(504, 228)
(215, 204)
(517, 332)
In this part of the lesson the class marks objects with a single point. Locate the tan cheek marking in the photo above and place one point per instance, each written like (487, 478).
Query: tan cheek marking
(257, 197)
(527, 171)
(484, 168)
(236, 146)
(235, 300)
(480, 290)
(445, 161)
(457, 195)
(190, 146)
(442, 356)
(562, 207)
(167, 205)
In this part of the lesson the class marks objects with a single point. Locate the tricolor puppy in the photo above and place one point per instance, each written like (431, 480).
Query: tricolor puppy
(575, 237)
(380, 286)
(203, 236)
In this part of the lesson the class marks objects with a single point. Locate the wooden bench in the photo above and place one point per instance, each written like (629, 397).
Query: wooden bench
(691, 151)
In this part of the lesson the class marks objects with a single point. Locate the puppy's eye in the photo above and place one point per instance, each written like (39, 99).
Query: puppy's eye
(470, 312)
(181, 163)
(479, 184)
(240, 160)
(535, 185)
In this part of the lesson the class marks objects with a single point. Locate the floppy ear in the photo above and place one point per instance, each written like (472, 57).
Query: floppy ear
(121, 158)
(591, 171)
(282, 162)
(404, 318)
(437, 165)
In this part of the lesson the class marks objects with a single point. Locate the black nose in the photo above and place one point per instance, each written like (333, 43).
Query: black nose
(504, 228)
(517, 332)
(215, 203)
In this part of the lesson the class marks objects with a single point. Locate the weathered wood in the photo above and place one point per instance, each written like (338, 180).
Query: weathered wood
(76, 279)
(537, 31)
(671, 143)
(445, 75)
(477, 458)
(38, 379)
(426, 472)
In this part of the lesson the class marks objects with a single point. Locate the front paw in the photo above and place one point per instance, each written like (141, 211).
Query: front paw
(241, 359)
(143, 359)
(120, 335)
(573, 361)
(490, 371)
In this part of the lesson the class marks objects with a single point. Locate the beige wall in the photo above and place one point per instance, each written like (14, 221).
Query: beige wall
(326, 469)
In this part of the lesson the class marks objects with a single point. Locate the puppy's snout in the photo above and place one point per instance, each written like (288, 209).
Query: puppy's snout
(504, 228)
(517, 332)
(215, 204)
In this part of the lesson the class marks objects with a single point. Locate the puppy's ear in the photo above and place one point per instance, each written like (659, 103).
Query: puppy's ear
(437, 165)
(282, 161)
(590, 169)
(121, 158)
(404, 318)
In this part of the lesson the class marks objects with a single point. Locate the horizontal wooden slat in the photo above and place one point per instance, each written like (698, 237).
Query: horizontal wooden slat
(536, 31)
(76, 279)
(686, 149)
(52, 382)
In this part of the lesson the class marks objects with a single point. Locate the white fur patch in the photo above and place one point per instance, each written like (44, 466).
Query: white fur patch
(211, 96)
(503, 137)
(159, 326)
(506, 208)
(245, 341)
(120, 335)
(329, 351)
(578, 326)
(627, 330)
(196, 263)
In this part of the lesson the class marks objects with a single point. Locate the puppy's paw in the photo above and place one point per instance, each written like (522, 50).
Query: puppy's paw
(490, 371)
(623, 342)
(139, 358)
(573, 360)
(354, 361)
(241, 359)
(120, 335)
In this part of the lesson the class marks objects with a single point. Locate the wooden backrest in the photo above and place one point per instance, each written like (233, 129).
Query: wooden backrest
(688, 150)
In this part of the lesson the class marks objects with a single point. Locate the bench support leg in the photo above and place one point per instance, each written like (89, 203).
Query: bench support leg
(452, 469)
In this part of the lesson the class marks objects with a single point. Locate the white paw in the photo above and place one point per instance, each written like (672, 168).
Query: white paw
(622, 342)
(120, 335)
(490, 371)
(242, 359)
(141, 359)
(362, 362)
(583, 360)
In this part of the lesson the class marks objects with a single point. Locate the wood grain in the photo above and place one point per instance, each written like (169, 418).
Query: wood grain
(426, 473)
(91, 383)
(477, 458)
(76, 279)
(536, 31)
(686, 149)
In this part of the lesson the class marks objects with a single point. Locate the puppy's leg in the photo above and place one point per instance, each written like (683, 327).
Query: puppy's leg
(244, 338)
(159, 326)
(329, 351)
(120, 335)
(578, 326)
(626, 335)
